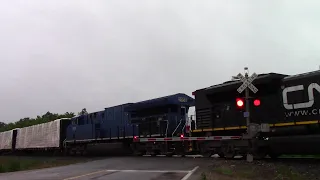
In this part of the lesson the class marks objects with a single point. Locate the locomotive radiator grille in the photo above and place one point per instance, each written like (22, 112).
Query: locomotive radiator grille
(203, 118)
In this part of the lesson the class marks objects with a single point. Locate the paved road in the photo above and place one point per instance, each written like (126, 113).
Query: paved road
(116, 168)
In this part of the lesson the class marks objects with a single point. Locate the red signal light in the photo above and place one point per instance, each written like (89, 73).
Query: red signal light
(256, 102)
(240, 102)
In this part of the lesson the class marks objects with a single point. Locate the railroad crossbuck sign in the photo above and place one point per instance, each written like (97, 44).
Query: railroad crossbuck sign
(247, 82)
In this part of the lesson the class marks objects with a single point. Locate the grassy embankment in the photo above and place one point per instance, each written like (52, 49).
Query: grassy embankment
(262, 170)
(316, 156)
(251, 173)
(15, 163)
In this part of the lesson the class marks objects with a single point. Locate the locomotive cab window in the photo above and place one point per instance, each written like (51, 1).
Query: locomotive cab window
(81, 121)
(74, 121)
(183, 111)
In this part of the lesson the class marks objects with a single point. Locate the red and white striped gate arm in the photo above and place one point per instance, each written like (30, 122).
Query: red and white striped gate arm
(209, 138)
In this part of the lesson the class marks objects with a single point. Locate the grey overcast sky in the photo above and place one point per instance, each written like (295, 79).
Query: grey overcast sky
(62, 56)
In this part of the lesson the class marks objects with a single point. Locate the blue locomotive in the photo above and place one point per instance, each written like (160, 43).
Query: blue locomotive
(160, 117)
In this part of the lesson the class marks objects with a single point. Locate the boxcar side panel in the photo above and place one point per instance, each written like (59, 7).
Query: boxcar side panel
(6, 140)
(46, 135)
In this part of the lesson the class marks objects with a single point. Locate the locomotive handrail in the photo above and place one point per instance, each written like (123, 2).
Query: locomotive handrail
(176, 127)
(183, 128)
(167, 127)
(64, 143)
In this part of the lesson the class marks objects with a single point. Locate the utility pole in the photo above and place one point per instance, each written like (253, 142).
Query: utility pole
(247, 105)
(247, 99)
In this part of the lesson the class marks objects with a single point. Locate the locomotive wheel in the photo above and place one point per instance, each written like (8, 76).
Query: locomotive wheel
(221, 155)
(260, 153)
(273, 155)
(228, 151)
(207, 154)
(72, 152)
(179, 149)
(83, 152)
(65, 152)
(156, 152)
(205, 151)
(138, 152)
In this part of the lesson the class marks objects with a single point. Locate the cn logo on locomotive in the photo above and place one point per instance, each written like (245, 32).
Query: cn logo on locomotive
(307, 104)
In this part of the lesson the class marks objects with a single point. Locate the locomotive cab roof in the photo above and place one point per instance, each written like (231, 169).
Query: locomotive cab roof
(175, 99)
(234, 84)
(303, 75)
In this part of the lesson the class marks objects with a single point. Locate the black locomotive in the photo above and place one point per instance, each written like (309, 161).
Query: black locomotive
(288, 105)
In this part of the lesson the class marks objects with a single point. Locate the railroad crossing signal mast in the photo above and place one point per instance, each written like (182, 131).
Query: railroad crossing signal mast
(247, 86)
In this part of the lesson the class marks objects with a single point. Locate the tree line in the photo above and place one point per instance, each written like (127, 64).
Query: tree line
(47, 117)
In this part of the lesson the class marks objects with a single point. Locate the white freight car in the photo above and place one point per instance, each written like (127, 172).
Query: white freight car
(45, 135)
(6, 140)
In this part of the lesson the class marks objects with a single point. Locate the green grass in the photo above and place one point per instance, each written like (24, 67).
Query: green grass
(227, 172)
(239, 172)
(284, 172)
(203, 176)
(300, 156)
(14, 163)
(224, 171)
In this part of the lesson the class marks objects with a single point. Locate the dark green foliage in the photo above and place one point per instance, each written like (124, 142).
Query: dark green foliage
(2, 124)
(2, 169)
(14, 166)
(25, 122)
(203, 176)
(16, 163)
(83, 112)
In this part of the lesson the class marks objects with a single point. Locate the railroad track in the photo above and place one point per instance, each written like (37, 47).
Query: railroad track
(193, 156)
(282, 159)
(287, 159)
